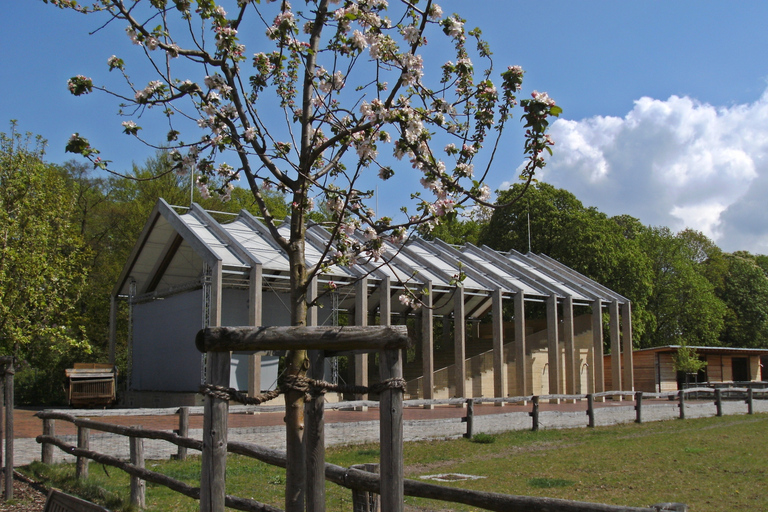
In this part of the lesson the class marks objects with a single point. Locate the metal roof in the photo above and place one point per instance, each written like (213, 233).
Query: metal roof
(174, 247)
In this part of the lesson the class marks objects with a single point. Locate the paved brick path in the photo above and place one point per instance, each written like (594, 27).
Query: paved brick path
(353, 427)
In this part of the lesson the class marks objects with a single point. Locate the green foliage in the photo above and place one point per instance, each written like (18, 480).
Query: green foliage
(744, 290)
(42, 258)
(483, 438)
(454, 230)
(686, 360)
(549, 483)
(684, 307)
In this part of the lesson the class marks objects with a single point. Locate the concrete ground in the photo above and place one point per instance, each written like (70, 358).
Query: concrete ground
(357, 427)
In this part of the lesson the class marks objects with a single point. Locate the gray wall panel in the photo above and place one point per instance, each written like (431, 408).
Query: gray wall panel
(164, 353)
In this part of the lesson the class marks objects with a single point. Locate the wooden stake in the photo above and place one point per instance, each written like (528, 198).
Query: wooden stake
(181, 454)
(535, 413)
(391, 433)
(314, 437)
(84, 443)
(9, 371)
(719, 401)
(214, 460)
(682, 404)
(365, 501)
(49, 429)
(470, 418)
(138, 486)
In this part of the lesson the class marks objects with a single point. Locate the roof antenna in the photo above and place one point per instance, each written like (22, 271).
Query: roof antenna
(192, 186)
(529, 231)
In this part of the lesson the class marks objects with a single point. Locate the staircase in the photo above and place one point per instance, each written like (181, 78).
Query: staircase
(479, 356)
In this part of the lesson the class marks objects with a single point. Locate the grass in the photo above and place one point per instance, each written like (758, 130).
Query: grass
(483, 438)
(712, 464)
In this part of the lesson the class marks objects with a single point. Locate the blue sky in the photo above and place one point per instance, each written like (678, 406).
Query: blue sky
(665, 106)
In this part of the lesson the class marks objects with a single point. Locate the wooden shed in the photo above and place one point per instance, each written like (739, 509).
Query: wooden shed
(654, 368)
(191, 269)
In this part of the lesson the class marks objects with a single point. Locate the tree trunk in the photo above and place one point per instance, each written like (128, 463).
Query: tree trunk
(297, 365)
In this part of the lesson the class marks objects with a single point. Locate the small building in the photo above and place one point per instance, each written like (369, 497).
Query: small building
(192, 269)
(654, 368)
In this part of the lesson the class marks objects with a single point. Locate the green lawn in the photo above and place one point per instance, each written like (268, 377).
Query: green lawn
(712, 464)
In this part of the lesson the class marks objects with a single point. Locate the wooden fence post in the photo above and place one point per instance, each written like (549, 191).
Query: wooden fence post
(391, 432)
(535, 413)
(214, 460)
(364, 501)
(681, 393)
(2, 417)
(181, 454)
(84, 443)
(719, 401)
(9, 371)
(138, 486)
(750, 404)
(639, 407)
(469, 418)
(591, 410)
(49, 429)
(314, 437)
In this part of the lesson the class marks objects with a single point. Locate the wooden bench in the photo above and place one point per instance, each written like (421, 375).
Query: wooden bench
(58, 501)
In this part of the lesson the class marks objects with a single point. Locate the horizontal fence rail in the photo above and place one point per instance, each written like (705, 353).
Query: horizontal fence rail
(350, 478)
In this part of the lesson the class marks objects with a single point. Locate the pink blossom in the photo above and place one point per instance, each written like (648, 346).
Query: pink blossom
(443, 207)
(542, 97)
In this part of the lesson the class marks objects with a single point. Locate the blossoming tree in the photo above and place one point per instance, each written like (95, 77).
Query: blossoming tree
(309, 100)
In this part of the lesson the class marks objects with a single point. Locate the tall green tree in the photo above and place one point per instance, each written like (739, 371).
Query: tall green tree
(683, 308)
(43, 257)
(744, 290)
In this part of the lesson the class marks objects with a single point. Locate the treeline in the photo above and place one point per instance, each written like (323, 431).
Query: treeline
(683, 288)
(65, 234)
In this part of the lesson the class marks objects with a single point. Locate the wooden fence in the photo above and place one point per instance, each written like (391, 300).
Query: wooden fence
(6, 410)
(357, 480)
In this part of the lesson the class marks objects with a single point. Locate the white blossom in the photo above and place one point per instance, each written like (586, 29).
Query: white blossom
(411, 34)
(435, 12)
(485, 193)
(359, 41)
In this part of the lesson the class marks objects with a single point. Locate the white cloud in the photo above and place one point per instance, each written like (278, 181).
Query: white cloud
(678, 163)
